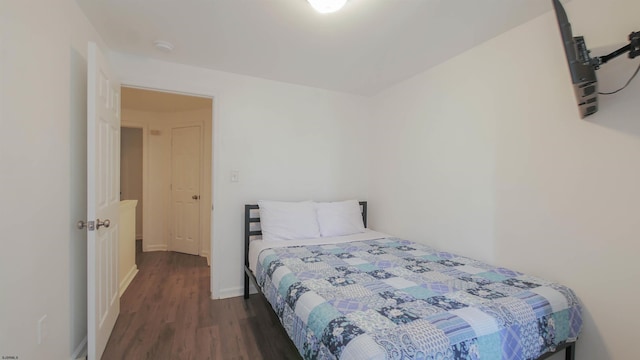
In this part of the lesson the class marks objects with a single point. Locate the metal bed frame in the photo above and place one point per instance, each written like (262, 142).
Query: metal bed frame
(248, 234)
(569, 348)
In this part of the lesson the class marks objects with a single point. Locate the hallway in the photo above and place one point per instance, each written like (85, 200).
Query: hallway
(166, 313)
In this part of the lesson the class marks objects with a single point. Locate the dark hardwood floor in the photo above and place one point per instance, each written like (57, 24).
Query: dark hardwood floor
(167, 313)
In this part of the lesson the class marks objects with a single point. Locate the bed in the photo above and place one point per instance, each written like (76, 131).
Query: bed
(373, 296)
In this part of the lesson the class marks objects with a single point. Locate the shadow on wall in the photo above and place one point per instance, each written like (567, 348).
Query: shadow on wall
(596, 338)
(78, 199)
(625, 104)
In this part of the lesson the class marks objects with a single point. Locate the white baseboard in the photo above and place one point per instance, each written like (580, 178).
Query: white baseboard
(124, 284)
(206, 255)
(236, 291)
(80, 352)
(160, 247)
(230, 292)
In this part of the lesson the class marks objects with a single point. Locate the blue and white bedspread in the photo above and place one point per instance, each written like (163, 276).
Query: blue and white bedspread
(395, 299)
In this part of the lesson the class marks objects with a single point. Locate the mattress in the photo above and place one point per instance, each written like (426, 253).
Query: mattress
(256, 246)
(388, 298)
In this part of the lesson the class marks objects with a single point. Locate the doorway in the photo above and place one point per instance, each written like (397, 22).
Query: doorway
(131, 172)
(169, 222)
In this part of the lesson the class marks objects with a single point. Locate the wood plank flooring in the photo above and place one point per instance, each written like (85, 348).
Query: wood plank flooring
(167, 313)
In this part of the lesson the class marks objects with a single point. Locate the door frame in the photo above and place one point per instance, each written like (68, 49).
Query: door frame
(145, 170)
(193, 90)
(147, 182)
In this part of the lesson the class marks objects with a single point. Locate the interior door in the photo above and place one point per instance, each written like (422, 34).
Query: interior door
(185, 189)
(103, 201)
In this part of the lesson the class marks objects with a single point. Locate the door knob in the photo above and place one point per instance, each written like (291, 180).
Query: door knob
(89, 225)
(106, 223)
(195, 197)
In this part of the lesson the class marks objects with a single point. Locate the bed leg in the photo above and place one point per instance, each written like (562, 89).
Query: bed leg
(570, 352)
(246, 286)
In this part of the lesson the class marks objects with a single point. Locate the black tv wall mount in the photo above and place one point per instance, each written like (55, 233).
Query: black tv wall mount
(633, 48)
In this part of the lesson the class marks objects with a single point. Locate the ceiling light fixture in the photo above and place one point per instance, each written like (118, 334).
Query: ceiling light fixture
(327, 6)
(163, 46)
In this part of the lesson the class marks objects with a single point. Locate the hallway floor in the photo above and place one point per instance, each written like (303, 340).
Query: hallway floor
(166, 313)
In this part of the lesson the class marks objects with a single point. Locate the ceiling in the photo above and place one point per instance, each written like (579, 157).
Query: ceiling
(366, 47)
(156, 101)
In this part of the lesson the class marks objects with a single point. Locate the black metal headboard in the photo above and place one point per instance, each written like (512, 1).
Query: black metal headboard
(248, 220)
(248, 234)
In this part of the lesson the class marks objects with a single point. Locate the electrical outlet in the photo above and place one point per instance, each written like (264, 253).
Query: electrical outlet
(235, 176)
(43, 329)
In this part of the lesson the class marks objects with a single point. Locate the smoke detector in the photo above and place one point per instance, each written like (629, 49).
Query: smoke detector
(163, 46)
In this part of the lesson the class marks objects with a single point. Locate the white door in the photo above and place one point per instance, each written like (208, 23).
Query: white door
(103, 201)
(185, 189)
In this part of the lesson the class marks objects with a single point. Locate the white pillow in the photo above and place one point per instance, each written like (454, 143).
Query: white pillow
(288, 220)
(340, 218)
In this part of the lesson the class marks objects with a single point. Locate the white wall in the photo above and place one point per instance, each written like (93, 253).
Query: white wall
(567, 195)
(432, 161)
(288, 142)
(43, 262)
(486, 155)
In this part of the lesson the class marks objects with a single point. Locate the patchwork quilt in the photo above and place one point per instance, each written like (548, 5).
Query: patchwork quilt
(396, 299)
